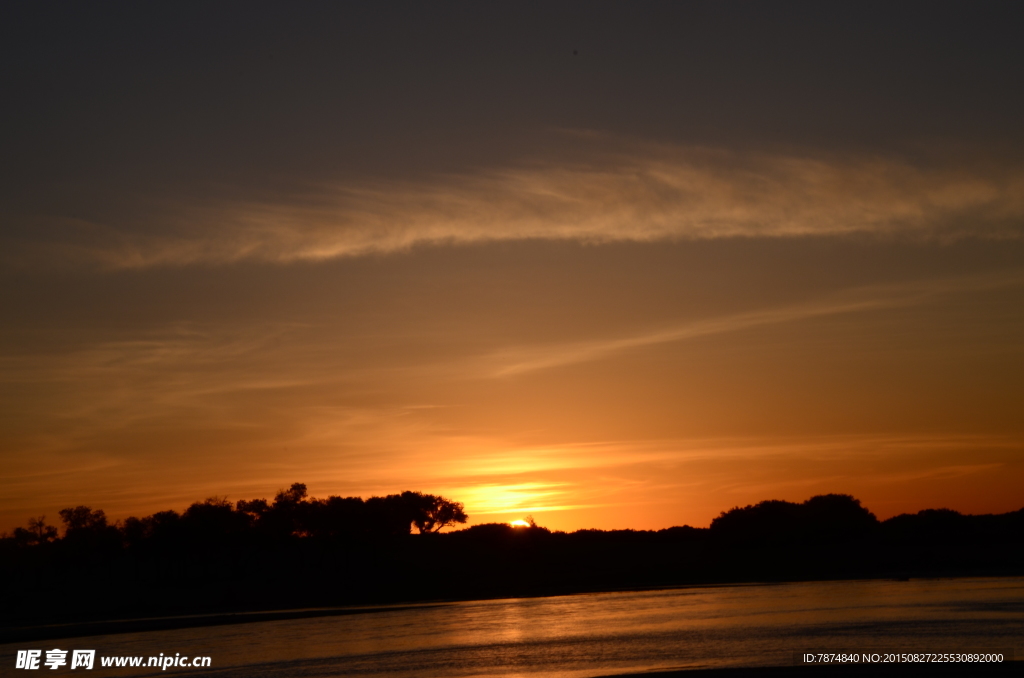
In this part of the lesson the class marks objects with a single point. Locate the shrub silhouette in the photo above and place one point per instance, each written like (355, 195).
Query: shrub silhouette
(38, 532)
(823, 518)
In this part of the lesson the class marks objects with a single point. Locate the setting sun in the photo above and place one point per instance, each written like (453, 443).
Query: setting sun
(519, 523)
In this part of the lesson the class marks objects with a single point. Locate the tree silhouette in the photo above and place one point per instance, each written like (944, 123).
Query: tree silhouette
(87, 532)
(82, 519)
(292, 496)
(284, 517)
(38, 532)
(432, 513)
(213, 520)
(254, 508)
(825, 517)
(334, 517)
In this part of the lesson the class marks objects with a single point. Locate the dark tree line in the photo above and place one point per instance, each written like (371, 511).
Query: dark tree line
(298, 552)
(291, 514)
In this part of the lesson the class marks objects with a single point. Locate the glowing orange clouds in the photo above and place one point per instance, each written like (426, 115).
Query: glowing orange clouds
(645, 193)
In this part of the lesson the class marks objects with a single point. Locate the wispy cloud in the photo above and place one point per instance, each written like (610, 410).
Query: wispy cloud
(648, 193)
(524, 359)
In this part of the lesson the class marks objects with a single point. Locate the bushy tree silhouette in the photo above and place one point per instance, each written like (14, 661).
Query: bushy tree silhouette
(214, 519)
(432, 513)
(87, 533)
(82, 519)
(38, 532)
(823, 518)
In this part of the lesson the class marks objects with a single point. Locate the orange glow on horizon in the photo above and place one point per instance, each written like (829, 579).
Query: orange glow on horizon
(615, 372)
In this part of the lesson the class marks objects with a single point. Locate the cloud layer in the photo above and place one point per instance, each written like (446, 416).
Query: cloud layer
(645, 194)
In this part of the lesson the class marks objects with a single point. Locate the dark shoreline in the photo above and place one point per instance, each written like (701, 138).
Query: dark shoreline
(101, 627)
(223, 563)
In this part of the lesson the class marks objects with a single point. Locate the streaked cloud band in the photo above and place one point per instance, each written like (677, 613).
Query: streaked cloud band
(647, 194)
(524, 359)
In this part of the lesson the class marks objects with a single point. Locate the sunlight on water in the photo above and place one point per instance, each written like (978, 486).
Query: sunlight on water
(599, 634)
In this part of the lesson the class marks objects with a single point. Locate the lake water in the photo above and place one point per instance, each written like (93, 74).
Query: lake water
(596, 634)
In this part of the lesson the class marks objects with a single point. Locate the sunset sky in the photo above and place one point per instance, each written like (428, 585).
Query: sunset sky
(613, 266)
